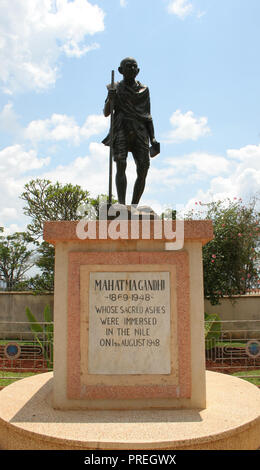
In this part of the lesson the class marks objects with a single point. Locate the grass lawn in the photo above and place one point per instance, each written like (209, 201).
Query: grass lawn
(12, 377)
(252, 376)
(231, 344)
(3, 342)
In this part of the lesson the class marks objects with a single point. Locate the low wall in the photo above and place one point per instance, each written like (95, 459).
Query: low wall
(242, 316)
(12, 310)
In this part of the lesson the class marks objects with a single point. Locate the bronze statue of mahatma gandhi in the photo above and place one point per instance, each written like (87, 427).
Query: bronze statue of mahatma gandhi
(128, 103)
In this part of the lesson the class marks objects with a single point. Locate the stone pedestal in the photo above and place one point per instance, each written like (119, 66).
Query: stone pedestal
(129, 314)
(129, 364)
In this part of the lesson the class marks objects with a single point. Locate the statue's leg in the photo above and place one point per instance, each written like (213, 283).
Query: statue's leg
(142, 161)
(121, 181)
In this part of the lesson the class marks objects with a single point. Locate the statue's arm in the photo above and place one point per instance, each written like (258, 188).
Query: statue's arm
(149, 124)
(106, 109)
(150, 128)
(110, 99)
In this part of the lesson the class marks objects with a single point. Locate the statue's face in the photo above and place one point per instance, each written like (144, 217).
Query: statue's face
(129, 69)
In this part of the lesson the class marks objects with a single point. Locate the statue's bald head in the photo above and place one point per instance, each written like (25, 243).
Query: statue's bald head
(128, 65)
(127, 59)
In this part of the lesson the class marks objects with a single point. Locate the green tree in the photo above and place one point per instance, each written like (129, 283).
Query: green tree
(169, 214)
(231, 259)
(44, 202)
(45, 262)
(16, 258)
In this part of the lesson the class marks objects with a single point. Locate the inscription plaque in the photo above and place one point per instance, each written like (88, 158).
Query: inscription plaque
(129, 323)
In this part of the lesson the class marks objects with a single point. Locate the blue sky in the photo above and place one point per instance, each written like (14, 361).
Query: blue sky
(200, 59)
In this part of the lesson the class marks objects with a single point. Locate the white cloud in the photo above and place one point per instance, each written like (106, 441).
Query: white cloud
(62, 127)
(12, 228)
(17, 167)
(191, 169)
(180, 8)
(72, 49)
(242, 180)
(91, 172)
(248, 154)
(82, 171)
(200, 164)
(233, 175)
(94, 124)
(9, 120)
(123, 3)
(14, 160)
(34, 34)
(187, 127)
(8, 212)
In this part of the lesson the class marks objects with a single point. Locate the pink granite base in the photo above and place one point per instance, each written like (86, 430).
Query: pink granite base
(231, 421)
(66, 231)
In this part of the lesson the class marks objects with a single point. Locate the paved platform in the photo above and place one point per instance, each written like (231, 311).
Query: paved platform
(230, 421)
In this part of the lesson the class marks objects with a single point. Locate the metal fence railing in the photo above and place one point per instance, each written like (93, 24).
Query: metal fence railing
(255, 291)
(231, 347)
(25, 349)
